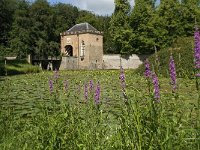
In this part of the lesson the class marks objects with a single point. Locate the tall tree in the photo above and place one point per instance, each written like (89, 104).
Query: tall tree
(7, 8)
(167, 23)
(43, 29)
(190, 16)
(141, 23)
(120, 29)
(65, 16)
(20, 39)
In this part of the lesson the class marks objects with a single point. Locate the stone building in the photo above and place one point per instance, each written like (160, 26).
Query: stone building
(82, 47)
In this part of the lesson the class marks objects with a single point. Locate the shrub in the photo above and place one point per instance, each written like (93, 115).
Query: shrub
(182, 51)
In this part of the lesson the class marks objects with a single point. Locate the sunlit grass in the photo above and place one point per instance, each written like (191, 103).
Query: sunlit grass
(32, 118)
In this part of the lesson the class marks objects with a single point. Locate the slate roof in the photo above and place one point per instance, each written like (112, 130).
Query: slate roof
(82, 27)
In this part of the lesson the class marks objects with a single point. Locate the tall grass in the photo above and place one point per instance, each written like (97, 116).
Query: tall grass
(14, 67)
(64, 120)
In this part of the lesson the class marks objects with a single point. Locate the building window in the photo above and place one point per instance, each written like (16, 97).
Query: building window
(82, 49)
(68, 50)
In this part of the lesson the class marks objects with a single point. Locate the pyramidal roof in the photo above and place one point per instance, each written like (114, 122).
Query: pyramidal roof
(82, 27)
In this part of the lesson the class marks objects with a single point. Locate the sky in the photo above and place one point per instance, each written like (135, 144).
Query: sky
(99, 7)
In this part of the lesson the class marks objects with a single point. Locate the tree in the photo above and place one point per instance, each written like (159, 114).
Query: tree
(167, 23)
(65, 16)
(20, 40)
(120, 29)
(43, 29)
(141, 23)
(7, 8)
(190, 16)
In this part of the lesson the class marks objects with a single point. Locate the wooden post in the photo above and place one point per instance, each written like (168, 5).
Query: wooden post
(120, 61)
(5, 68)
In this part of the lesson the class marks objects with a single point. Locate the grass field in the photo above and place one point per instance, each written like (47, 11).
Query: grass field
(33, 117)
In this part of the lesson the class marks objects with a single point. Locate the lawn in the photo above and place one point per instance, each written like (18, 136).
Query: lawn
(66, 116)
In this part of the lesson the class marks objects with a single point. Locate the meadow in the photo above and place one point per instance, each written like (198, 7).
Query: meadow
(62, 110)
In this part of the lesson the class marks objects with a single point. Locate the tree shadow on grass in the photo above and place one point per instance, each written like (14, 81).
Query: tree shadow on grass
(2, 78)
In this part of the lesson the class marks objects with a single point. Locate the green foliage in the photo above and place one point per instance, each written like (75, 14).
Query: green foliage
(170, 21)
(20, 39)
(7, 8)
(120, 30)
(44, 29)
(182, 51)
(65, 16)
(34, 28)
(141, 22)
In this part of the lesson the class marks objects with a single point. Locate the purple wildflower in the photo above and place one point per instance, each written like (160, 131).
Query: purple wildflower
(51, 86)
(86, 92)
(123, 84)
(172, 71)
(156, 87)
(197, 49)
(97, 93)
(122, 78)
(66, 85)
(79, 88)
(91, 85)
(197, 75)
(147, 72)
(56, 74)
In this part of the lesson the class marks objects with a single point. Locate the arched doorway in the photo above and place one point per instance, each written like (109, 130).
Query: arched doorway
(69, 50)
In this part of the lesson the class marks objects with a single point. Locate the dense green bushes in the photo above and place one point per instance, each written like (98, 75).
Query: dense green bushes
(182, 51)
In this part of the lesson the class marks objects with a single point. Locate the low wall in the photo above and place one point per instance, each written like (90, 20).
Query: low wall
(115, 61)
(69, 63)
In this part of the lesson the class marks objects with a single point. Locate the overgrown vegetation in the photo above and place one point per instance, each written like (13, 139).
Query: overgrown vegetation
(33, 117)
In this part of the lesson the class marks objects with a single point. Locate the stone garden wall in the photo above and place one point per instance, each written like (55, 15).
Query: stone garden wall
(109, 62)
(129, 62)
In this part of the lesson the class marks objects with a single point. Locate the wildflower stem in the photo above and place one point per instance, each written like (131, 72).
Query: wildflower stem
(198, 114)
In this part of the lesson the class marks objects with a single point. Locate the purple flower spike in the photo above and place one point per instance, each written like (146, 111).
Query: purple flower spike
(51, 86)
(122, 78)
(197, 75)
(147, 72)
(91, 85)
(66, 85)
(97, 93)
(56, 74)
(86, 92)
(197, 49)
(156, 87)
(172, 71)
(79, 89)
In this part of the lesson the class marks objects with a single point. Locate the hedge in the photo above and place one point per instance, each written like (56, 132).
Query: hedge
(182, 52)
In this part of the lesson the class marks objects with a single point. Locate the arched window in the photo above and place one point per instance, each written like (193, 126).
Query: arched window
(68, 50)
